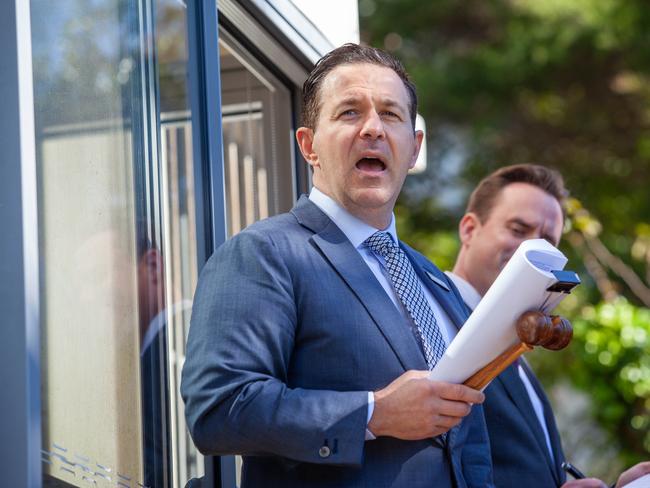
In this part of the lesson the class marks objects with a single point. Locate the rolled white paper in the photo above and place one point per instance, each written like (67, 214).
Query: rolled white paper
(490, 329)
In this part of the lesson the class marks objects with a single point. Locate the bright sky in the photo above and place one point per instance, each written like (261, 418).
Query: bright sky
(337, 19)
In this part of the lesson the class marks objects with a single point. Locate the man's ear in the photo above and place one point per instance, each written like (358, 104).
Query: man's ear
(419, 135)
(467, 227)
(305, 138)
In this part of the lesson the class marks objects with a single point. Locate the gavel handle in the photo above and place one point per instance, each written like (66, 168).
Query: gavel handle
(488, 372)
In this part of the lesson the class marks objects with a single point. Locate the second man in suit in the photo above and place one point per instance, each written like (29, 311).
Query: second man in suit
(513, 204)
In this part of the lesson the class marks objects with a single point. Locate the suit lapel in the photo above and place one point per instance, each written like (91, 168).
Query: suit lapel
(516, 390)
(347, 262)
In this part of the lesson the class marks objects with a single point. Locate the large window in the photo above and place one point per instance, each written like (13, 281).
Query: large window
(257, 138)
(117, 203)
(171, 263)
(85, 142)
(117, 240)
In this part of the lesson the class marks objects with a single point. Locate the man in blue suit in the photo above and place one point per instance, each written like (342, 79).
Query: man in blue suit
(511, 205)
(312, 331)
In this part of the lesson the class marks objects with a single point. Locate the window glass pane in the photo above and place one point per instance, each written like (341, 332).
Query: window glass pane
(257, 138)
(178, 237)
(85, 57)
(117, 240)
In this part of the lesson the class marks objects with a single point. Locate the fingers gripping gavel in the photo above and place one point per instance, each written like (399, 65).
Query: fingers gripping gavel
(533, 329)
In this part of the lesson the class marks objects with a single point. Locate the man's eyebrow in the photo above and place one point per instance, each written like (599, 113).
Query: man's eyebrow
(528, 225)
(385, 102)
(392, 103)
(522, 222)
(349, 100)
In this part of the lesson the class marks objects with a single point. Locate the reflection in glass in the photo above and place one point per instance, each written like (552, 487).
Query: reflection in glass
(257, 138)
(170, 457)
(117, 240)
(85, 59)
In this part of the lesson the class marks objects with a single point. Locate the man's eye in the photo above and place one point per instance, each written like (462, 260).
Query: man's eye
(518, 231)
(388, 113)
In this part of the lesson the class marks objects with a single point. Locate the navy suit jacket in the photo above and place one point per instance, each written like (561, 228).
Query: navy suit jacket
(520, 456)
(290, 330)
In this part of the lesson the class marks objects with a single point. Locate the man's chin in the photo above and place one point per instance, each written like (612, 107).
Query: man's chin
(372, 206)
(372, 199)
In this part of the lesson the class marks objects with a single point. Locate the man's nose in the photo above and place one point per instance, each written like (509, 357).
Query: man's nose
(373, 127)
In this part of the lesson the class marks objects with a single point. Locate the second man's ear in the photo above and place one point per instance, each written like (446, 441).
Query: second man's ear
(467, 227)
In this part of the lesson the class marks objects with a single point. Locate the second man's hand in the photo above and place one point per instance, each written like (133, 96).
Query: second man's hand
(413, 407)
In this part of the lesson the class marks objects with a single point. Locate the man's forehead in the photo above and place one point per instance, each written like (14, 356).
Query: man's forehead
(350, 79)
(524, 196)
(527, 204)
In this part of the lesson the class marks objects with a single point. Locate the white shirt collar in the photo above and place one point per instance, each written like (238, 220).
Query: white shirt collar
(470, 296)
(355, 229)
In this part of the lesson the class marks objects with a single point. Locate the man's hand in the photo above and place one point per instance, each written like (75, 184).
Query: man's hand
(585, 483)
(413, 407)
(633, 473)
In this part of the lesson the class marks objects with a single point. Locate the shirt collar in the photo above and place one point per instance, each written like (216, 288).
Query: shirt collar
(355, 229)
(471, 297)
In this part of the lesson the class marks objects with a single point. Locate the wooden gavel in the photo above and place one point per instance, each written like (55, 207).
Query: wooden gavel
(533, 329)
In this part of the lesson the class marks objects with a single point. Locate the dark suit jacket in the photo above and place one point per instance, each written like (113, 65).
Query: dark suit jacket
(519, 453)
(290, 330)
(155, 401)
(520, 456)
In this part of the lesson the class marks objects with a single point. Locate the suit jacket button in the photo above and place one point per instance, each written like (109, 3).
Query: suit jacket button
(324, 451)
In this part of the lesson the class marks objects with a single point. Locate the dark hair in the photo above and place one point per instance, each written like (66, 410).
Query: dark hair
(350, 54)
(486, 193)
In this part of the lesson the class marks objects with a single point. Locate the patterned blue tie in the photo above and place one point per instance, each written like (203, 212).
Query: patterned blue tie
(407, 286)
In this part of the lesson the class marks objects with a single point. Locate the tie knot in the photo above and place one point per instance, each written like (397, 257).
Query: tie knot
(381, 243)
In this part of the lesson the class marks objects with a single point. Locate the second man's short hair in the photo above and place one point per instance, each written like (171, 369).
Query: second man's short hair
(484, 196)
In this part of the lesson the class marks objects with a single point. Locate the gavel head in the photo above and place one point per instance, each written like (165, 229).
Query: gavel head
(549, 331)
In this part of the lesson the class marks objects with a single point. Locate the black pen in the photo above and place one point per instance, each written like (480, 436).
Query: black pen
(572, 470)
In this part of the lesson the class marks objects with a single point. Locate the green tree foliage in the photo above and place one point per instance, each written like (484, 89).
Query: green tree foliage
(559, 83)
(564, 84)
(612, 343)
